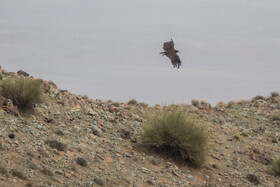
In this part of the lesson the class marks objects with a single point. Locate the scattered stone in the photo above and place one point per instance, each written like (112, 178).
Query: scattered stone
(118, 158)
(257, 156)
(8, 106)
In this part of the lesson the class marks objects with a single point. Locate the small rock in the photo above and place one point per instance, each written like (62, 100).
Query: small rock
(12, 136)
(253, 179)
(96, 131)
(81, 161)
(190, 177)
(125, 134)
(274, 140)
(99, 181)
(20, 72)
(150, 182)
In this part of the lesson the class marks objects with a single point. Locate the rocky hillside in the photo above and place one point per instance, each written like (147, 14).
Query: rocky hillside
(71, 140)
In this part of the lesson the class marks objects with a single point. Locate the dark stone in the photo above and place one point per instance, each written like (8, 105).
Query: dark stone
(125, 134)
(81, 161)
(149, 182)
(12, 136)
(96, 131)
(99, 181)
(59, 132)
(20, 72)
(253, 179)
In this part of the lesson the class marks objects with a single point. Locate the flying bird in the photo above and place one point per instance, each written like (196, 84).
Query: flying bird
(171, 53)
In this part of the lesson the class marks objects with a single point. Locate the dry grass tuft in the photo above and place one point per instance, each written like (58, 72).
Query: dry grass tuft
(276, 167)
(178, 135)
(132, 102)
(18, 174)
(22, 92)
(54, 144)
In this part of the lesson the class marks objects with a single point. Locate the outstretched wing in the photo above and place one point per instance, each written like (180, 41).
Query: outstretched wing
(170, 52)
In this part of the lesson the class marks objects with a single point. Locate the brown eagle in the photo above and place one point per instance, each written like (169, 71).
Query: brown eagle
(171, 53)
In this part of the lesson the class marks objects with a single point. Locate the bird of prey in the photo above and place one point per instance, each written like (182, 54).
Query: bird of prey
(171, 53)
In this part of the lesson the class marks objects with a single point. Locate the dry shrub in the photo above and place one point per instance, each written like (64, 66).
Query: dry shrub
(275, 117)
(18, 174)
(195, 102)
(230, 104)
(22, 92)
(132, 102)
(3, 170)
(276, 167)
(142, 104)
(220, 105)
(274, 94)
(47, 172)
(242, 102)
(54, 144)
(258, 97)
(177, 135)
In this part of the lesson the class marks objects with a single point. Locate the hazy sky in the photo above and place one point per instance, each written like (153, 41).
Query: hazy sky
(230, 49)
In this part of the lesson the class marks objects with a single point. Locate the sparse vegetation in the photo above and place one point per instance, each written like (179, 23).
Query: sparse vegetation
(47, 172)
(258, 97)
(230, 104)
(220, 105)
(3, 171)
(142, 104)
(177, 134)
(276, 167)
(132, 102)
(18, 174)
(116, 104)
(274, 94)
(195, 102)
(236, 137)
(22, 92)
(275, 117)
(54, 144)
(242, 102)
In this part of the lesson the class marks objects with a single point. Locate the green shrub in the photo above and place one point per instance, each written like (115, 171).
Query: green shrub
(178, 135)
(276, 167)
(22, 92)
